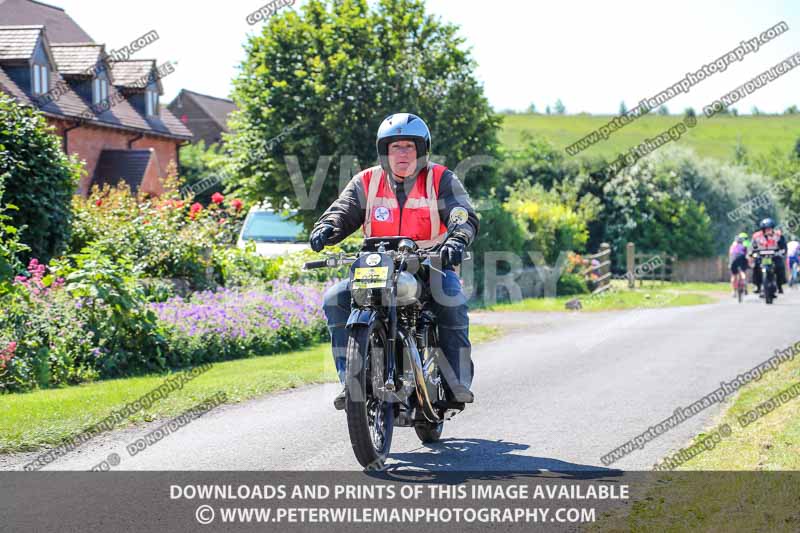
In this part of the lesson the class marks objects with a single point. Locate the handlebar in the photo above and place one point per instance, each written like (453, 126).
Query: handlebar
(315, 264)
(333, 262)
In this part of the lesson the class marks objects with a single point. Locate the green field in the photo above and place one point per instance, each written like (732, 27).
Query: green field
(715, 137)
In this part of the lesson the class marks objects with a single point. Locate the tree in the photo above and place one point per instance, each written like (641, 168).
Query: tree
(653, 207)
(547, 110)
(559, 107)
(40, 180)
(663, 110)
(623, 109)
(532, 108)
(791, 110)
(201, 172)
(689, 112)
(756, 111)
(797, 148)
(328, 75)
(783, 170)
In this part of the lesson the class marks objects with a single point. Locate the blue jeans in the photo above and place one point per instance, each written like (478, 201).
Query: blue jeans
(449, 306)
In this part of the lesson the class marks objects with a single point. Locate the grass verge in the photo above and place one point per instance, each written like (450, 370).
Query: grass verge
(49, 417)
(682, 501)
(666, 295)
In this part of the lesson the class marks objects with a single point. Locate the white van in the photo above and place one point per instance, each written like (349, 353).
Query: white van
(273, 233)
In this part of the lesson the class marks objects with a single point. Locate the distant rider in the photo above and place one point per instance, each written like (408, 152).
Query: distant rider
(793, 256)
(738, 261)
(769, 238)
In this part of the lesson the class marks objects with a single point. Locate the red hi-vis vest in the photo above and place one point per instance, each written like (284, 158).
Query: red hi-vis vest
(419, 217)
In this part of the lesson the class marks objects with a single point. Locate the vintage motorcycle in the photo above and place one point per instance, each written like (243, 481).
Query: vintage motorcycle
(394, 371)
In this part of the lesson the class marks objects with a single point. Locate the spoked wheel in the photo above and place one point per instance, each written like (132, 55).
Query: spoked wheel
(370, 419)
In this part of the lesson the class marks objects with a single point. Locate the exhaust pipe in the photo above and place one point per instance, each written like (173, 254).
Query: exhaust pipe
(423, 397)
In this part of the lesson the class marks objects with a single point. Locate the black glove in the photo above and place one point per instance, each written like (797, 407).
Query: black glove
(319, 237)
(453, 252)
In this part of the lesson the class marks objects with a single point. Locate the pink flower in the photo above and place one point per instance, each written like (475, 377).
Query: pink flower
(237, 204)
(217, 198)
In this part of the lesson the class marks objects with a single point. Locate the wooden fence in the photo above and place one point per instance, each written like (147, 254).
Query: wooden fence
(598, 275)
(659, 266)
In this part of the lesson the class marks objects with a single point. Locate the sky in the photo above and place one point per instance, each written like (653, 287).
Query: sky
(590, 54)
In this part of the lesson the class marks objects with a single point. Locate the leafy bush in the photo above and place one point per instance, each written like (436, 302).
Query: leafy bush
(40, 180)
(166, 237)
(10, 247)
(117, 315)
(51, 345)
(569, 284)
(553, 221)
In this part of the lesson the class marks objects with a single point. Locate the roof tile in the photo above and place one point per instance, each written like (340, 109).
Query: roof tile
(18, 42)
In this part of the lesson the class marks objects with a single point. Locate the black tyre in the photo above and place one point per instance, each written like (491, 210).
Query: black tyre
(429, 432)
(370, 420)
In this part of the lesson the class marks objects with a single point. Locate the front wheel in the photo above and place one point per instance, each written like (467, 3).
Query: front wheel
(370, 420)
(771, 289)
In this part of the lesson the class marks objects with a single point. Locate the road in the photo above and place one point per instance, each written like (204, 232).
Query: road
(556, 393)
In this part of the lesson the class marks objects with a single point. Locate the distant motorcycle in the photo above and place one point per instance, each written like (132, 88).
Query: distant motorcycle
(393, 375)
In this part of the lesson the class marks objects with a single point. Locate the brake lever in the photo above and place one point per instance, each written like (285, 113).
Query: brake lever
(428, 264)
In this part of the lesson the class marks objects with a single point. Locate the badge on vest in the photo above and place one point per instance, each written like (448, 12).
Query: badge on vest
(382, 214)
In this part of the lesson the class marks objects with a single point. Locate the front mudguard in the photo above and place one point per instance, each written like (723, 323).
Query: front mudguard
(360, 317)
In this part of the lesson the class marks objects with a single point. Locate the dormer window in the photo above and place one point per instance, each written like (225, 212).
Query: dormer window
(99, 91)
(151, 102)
(41, 81)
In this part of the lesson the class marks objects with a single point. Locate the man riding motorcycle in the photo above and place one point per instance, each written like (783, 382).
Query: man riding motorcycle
(405, 195)
(768, 238)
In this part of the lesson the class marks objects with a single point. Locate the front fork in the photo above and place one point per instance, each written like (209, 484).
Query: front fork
(391, 348)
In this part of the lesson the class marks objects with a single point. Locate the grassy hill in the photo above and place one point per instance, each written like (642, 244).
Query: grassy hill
(715, 137)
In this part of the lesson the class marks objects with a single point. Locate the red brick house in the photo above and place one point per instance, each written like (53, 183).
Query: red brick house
(107, 113)
(205, 116)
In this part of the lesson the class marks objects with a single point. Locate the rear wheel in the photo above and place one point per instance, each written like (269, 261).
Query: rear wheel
(427, 431)
(370, 419)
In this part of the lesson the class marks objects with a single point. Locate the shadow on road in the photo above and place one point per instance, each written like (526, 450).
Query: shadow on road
(458, 460)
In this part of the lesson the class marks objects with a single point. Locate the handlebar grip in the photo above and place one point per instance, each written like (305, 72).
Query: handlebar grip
(315, 264)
